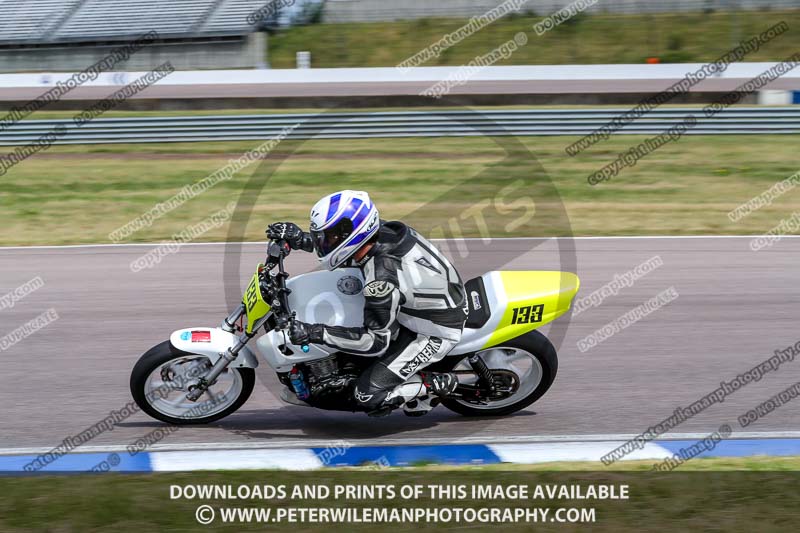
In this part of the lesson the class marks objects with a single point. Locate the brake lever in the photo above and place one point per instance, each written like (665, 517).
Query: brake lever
(292, 318)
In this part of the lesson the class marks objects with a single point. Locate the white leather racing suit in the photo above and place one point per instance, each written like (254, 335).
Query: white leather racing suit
(414, 312)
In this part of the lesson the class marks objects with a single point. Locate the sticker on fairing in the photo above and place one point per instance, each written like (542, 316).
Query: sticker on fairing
(201, 336)
(476, 300)
(527, 314)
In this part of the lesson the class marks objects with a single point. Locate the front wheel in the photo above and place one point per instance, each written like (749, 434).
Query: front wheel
(162, 377)
(525, 365)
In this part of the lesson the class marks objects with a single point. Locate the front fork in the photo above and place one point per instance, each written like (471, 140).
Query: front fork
(229, 324)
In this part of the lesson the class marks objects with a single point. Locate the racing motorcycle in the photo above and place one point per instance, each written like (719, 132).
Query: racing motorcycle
(203, 374)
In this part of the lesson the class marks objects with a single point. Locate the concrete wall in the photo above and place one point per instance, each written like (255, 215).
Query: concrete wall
(328, 102)
(245, 52)
(378, 87)
(381, 10)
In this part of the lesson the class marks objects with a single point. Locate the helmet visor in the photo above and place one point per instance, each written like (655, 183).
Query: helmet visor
(326, 241)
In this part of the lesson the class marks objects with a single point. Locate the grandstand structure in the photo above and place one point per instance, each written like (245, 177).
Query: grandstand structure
(65, 35)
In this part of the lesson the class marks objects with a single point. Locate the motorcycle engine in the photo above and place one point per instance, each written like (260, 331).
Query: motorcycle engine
(331, 384)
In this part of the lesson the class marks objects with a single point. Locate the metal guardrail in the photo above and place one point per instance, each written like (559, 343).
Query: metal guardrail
(739, 120)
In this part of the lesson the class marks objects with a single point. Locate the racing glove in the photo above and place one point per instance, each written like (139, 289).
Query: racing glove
(304, 333)
(292, 234)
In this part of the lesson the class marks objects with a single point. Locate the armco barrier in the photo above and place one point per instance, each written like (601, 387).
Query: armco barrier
(735, 120)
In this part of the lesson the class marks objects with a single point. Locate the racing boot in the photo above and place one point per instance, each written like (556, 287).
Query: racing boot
(420, 406)
(437, 385)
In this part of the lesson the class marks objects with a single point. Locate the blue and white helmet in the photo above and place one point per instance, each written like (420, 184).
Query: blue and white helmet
(341, 223)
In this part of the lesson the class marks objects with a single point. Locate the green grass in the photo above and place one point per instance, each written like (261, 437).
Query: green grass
(79, 194)
(585, 39)
(693, 498)
(727, 464)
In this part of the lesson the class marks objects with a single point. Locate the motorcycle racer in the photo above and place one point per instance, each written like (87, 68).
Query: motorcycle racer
(415, 302)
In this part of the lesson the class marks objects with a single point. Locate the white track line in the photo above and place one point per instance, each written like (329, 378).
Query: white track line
(468, 239)
(428, 441)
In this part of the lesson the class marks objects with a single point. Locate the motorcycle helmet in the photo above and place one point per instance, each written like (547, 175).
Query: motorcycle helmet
(341, 223)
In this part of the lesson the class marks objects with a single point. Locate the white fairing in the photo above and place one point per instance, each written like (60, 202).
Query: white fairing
(317, 298)
(218, 341)
(334, 298)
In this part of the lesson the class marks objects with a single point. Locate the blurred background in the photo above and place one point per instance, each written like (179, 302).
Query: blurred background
(545, 72)
(61, 35)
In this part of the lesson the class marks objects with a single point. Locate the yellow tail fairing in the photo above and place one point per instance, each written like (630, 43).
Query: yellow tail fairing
(254, 304)
(533, 298)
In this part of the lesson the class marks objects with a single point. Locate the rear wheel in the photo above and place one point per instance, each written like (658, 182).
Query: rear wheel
(162, 377)
(525, 366)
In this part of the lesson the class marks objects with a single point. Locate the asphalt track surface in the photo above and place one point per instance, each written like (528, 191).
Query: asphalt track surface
(735, 308)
